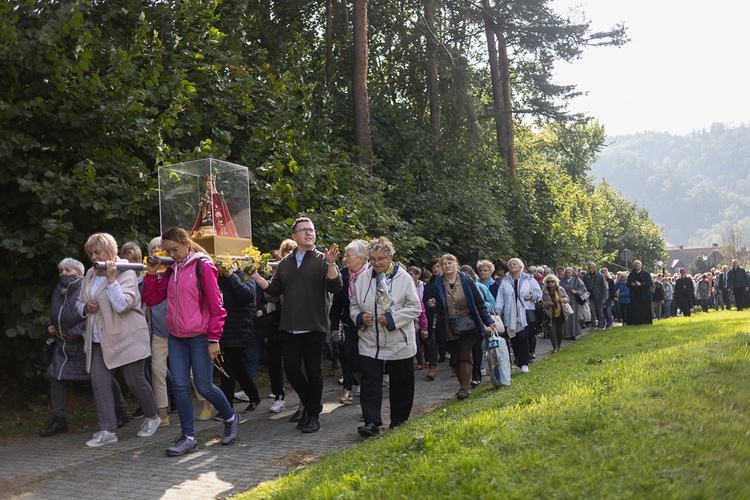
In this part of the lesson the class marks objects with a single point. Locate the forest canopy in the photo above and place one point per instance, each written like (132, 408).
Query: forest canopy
(464, 155)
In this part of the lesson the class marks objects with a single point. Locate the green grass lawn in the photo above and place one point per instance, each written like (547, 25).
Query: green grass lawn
(658, 411)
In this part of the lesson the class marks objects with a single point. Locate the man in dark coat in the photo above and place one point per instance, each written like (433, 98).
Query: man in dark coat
(597, 288)
(738, 282)
(639, 282)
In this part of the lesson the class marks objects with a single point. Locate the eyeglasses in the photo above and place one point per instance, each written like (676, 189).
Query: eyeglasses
(172, 250)
(305, 230)
(379, 259)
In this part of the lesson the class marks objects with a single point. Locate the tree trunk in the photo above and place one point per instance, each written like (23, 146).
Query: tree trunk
(433, 91)
(329, 40)
(362, 137)
(509, 148)
(498, 102)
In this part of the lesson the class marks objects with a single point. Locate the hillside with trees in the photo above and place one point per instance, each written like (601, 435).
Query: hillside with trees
(437, 124)
(696, 186)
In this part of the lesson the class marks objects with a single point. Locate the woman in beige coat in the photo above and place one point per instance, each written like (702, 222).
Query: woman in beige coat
(116, 337)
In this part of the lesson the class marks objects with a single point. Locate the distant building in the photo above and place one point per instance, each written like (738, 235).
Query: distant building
(683, 257)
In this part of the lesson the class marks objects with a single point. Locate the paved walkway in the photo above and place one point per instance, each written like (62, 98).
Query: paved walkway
(268, 447)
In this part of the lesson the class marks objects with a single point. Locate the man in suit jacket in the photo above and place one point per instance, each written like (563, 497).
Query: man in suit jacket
(723, 288)
(738, 281)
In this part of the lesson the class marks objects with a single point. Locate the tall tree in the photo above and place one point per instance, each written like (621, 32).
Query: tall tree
(362, 134)
(433, 91)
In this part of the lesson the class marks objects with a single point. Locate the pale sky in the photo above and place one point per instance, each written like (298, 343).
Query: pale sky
(687, 65)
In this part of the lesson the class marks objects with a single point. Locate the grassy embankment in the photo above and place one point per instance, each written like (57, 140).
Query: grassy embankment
(658, 411)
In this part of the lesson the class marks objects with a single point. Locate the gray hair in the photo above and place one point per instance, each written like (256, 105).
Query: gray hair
(519, 261)
(551, 277)
(360, 249)
(381, 244)
(468, 271)
(151, 244)
(71, 263)
(486, 263)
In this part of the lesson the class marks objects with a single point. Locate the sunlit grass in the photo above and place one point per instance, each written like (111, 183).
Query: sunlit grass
(658, 411)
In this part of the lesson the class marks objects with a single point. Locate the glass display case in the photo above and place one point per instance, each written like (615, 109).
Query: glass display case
(210, 199)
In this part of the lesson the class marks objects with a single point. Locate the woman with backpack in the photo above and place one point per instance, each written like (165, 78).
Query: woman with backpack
(195, 321)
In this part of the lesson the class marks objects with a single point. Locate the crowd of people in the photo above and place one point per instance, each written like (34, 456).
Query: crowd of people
(177, 326)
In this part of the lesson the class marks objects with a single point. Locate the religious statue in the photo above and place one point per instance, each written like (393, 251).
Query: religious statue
(213, 217)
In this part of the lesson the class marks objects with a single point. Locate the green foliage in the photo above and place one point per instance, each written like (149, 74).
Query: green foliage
(95, 96)
(699, 266)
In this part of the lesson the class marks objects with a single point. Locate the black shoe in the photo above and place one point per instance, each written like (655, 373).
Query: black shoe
(57, 425)
(138, 413)
(368, 430)
(441, 359)
(296, 417)
(122, 417)
(394, 424)
(302, 420)
(312, 424)
(251, 407)
(533, 355)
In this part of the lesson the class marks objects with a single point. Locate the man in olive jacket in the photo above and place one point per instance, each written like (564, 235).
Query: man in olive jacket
(306, 278)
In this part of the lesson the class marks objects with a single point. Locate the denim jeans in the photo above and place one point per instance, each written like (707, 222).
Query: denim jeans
(184, 354)
(666, 308)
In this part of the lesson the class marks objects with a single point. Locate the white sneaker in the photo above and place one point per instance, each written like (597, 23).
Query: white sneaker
(241, 396)
(484, 372)
(149, 426)
(101, 438)
(356, 391)
(270, 396)
(524, 369)
(277, 406)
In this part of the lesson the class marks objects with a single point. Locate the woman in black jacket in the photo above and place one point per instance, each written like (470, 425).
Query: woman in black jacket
(65, 328)
(239, 333)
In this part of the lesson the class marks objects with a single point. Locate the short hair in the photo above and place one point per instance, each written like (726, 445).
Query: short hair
(468, 271)
(414, 270)
(360, 248)
(432, 263)
(450, 257)
(551, 277)
(382, 244)
(426, 275)
(519, 261)
(604, 271)
(104, 241)
(151, 244)
(71, 263)
(131, 252)
(286, 247)
(486, 264)
(300, 220)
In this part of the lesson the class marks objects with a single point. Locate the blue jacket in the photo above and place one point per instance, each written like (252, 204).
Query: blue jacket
(621, 287)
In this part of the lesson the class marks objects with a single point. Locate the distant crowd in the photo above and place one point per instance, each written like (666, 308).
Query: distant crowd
(381, 322)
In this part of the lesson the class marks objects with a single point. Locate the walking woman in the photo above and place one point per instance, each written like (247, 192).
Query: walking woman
(459, 302)
(384, 305)
(518, 292)
(117, 337)
(553, 297)
(574, 287)
(195, 320)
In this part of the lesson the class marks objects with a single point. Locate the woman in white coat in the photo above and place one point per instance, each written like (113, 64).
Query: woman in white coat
(518, 292)
(384, 306)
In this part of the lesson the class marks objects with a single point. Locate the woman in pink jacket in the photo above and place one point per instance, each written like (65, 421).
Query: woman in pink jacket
(195, 321)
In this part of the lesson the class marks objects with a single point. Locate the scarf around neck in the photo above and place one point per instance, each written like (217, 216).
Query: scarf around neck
(354, 275)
